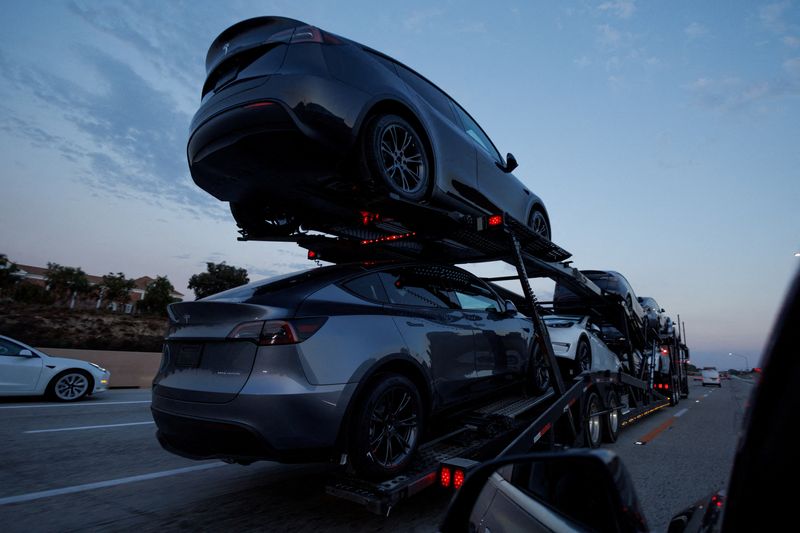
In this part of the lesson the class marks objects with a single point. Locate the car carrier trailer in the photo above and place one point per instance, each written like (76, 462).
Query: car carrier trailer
(583, 411)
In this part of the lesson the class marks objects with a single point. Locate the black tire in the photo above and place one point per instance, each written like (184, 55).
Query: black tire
(611, 423)
(592, 423)
(674, 396)
(70, 386)
(583, 357)
(388, 426)
(537, 221)
(397, 157)
(538, 379)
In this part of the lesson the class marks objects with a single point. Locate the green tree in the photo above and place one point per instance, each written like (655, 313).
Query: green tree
(217, 278)
(158, 296)
(67, 283)
(8, 276)
(117, 288)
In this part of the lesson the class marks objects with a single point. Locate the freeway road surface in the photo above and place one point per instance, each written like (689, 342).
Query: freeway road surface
(96, 465)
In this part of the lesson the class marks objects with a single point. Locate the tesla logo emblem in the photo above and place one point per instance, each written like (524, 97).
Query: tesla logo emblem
(225, 48)
(186, 318)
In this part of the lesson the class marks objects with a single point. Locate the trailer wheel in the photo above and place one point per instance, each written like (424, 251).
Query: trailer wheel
(388, 426)
(611, 422)
(397, 158)
(538, 379)
(592, 422)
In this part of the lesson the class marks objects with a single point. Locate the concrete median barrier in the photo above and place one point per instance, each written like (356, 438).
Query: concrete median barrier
(128, 369)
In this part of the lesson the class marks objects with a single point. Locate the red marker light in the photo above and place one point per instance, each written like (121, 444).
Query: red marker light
(444, 477)
(495, 220)
(458, 479)
(312, 254)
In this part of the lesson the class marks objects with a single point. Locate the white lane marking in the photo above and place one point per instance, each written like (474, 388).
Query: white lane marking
(90, 427)
(104, 484)
(681, 412)
(79, 404)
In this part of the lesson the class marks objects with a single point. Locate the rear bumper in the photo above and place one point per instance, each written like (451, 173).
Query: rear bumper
(264, 136)
(285, 427)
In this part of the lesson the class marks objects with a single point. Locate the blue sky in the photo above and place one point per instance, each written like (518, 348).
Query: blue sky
(663, 136)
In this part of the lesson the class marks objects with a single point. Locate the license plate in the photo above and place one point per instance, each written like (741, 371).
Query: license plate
(189, 355)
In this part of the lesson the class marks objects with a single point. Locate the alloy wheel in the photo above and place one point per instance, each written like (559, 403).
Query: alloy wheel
(71, 386)
(402, 158)
(393, 428)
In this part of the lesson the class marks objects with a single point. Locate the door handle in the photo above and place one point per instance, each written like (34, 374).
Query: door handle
(415, 324)
(472, 317)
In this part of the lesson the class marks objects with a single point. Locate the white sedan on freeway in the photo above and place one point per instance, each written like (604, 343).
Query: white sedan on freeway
(578, 339)
(26, 371)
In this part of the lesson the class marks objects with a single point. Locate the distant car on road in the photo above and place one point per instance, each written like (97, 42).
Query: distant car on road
(26, 371)
(711, 377)
(296, 122)
(576, 338)
(341, 359)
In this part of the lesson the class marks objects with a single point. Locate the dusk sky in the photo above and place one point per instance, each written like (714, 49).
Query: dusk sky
(664, 137)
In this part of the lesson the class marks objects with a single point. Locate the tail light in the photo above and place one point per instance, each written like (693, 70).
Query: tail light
(458, 479)
(277, 332)
(496, 220)
(444, 477)
(305, 34)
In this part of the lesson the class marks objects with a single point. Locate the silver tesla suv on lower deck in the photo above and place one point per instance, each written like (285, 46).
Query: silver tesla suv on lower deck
(342, 359)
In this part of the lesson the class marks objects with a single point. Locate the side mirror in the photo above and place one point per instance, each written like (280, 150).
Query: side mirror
(594, 328)
(511, 163)
(511, 309)
(575, 489)
(26, 353)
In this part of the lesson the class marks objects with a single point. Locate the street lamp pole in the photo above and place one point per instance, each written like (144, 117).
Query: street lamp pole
(746, 361)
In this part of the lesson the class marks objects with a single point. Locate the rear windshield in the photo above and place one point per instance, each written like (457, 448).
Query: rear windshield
(312, 277)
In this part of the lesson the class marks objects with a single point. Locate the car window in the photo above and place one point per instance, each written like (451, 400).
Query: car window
(436, 98)
(411, 286)
(476, 298)
(10, 349)
(476, 133)
(369, 287)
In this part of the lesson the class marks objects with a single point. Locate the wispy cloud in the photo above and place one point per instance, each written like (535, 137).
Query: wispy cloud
(418, 19)
(608, 36)
(128, 139)
(695, 30)
(772, 16)
(735, 94)
(621, 8)
(791, 41)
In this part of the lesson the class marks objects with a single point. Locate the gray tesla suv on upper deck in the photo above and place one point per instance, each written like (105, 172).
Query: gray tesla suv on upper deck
(341, 359)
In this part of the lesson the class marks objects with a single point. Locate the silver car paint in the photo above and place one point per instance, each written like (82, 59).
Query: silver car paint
(602, 357)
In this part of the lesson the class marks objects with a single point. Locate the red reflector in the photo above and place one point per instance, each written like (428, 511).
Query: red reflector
(312, 254)
(666, 386)
(258, 104)
(495, 220)
(458, 479)
(367, 217)
(444, 477)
